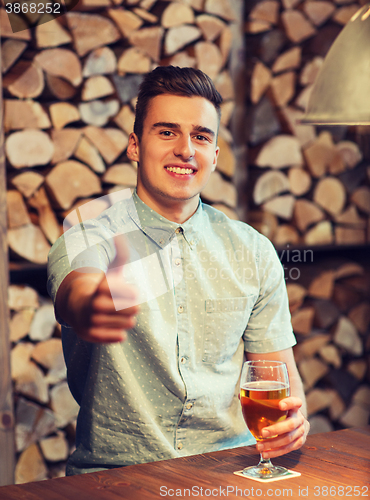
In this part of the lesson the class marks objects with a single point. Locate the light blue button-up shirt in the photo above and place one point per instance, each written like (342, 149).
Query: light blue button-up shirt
(210, 289)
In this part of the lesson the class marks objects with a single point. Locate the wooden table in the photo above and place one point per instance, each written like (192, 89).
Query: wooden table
(333, 465)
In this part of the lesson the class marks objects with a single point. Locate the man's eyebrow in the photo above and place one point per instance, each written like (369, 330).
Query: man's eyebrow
(171, 125)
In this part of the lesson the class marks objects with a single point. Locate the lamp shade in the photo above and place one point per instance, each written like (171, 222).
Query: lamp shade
(341, 92)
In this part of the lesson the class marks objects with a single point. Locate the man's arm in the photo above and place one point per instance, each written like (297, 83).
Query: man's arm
(291, 433)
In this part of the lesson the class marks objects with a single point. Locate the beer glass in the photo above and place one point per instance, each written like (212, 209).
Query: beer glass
(262, 385)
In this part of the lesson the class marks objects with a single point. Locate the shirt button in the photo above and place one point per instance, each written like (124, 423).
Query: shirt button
(189, 406)
(179, 446)
(177, 262)
(178, 230)
(183, 360)
(161, 241)
(180, 309)
(192, 242)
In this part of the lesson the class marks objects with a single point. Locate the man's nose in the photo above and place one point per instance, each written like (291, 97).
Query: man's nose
(184, 148)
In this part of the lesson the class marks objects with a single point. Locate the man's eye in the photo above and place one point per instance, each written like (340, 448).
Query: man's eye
(201, 138)
(166, 133)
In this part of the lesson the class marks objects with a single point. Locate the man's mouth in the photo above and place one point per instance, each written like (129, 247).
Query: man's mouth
(180, 170)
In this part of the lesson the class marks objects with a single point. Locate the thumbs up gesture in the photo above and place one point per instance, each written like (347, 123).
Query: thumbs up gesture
(85, 301)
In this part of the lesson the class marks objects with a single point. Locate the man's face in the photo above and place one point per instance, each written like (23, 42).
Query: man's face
(177, 151)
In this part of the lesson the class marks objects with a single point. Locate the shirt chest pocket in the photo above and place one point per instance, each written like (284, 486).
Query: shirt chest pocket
(224, 325)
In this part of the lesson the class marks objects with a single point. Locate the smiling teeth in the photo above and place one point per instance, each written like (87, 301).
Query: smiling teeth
(178, 170)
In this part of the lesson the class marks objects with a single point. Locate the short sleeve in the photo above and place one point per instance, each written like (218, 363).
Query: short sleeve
(269, 327)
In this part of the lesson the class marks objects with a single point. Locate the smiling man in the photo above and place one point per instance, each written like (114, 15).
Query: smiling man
(156, 370)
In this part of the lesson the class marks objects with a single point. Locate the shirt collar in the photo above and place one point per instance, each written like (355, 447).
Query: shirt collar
(162, 230)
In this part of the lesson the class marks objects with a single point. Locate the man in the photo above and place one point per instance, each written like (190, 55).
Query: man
(160, 380)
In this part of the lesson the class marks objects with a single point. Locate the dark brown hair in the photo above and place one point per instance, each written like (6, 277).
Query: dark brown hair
(187, 82)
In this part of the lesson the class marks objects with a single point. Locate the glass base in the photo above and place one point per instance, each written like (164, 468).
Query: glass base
(264, 471)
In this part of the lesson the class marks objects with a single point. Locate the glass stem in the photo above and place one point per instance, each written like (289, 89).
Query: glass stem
(265, 462)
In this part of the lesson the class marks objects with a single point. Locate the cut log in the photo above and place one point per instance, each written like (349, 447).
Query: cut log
(32, 423)
(360, 317)
(310, 71)
(65, 143)
(31, 383)
(282, 206)
(110, 142)
(62, 113)
(344, 14)
(62, 63)
(349, 269)
(226, 162)
(330, 354)
(71, 180)
(11, 50)
(266, 10)
(304, 133)
(268, 185)
(210, 26)
(227, 110)
(182, 59)
(311, 346)
(283, 88)
(321, 234)
(220, 191)
(349, 152)
(98, 112)
(304, 98)
(176, 14)
(346, 336)
(330, 194)
(279, 152)
(318, 400)
(43, 323)
(297, 27)
(88, 153)
(127, 21)
(134, 60)
(95, 87)
(24, 114)
(260, 81)
(256, 26)
(63, 404)
(346, 298)
(47, 219)
(299, 181)
(49, 354)
(51, 34)
(319, 154)
(60, 88)
(225, 43)
(322, 286)
(318, 12)
(209, 58)
(286, 234)
(178, 37)
(24, 80)
(6, 29)
(20, 324)
(302, 320)
(121, 173)
(150, 40)
(220, 8)
(225, 86)
(356, 415)
(125, 119)
(145, 15)
(22, 297)
(312, 370)
(296, 295)
(28, 148)
(90, 31)
(29, 243)
(263, 222)
(358, 369)
(55, 448)
(20, 357)
(290, 59)
(349, 236)
(100, 62)
(30, 466)
(361, 198)
(337, 407)
(17, 213)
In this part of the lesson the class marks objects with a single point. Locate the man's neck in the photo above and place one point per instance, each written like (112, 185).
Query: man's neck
(173, 211)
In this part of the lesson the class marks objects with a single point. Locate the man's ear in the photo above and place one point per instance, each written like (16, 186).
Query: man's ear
(217, 151)
(133, 152)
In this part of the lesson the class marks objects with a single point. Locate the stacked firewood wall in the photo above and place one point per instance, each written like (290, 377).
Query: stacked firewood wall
(308, 187)
(69, 88)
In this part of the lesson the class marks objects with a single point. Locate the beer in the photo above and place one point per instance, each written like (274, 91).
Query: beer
(260, 404)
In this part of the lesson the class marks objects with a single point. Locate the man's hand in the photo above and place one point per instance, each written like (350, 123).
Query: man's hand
(289, 434)
(84, 301)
